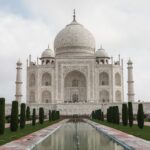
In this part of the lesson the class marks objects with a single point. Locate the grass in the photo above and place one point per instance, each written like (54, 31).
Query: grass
(10, 136)
(134, 130)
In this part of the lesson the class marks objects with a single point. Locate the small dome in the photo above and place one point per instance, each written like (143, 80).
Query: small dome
(74, 39)
(101, 53)
(48, 53)
(19, 62)
(130, 61)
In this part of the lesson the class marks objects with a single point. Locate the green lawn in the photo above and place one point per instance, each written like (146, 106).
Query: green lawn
(10, 136)
(135, 130)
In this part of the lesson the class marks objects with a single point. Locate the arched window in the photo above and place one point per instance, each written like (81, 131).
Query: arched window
(103, 78)
(46, 97)
(32, 80)
(104, 96)
(32, 97)
(74, 83)
(47, 61)
(75, 98)
(118, 96)
(46, 79)
(117, 79)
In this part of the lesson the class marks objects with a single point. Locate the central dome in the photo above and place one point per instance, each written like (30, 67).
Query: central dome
(74, 40)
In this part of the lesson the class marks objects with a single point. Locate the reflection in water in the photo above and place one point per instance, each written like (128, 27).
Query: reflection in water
(78, 136)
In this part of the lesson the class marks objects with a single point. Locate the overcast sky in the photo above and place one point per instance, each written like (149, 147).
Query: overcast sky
(28, 26)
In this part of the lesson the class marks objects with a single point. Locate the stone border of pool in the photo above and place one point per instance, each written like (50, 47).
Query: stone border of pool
(129, 141)
(32, 140)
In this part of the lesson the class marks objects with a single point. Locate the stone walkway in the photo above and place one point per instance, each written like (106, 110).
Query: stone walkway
(31, 140)
(123, 138)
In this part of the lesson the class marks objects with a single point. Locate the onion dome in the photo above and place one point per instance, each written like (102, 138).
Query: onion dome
(47, 53)
(74, 39)
(101, 53)
(129, 61)
(19, 62)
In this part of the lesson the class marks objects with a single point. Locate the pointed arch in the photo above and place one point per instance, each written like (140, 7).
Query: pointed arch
(118, 96)
(103, 78)
(46, 79)
(32, 80)
(117, 79)
(46, 97)
(32, 97)
(103, 96)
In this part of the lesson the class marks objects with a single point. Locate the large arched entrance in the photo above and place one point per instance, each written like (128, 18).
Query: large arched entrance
(75, 87)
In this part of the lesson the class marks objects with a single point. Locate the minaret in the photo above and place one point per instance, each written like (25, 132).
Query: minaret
(19, 82)
(130, 82)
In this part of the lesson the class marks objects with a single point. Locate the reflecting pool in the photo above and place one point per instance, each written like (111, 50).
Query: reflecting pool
(78, 136)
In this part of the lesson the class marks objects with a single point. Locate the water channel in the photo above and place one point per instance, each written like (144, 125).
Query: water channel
(78, 136)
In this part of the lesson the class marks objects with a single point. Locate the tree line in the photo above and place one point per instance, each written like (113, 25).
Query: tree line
(19, 120)
(113, 115)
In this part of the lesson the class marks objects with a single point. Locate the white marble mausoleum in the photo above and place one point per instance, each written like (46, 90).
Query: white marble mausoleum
(74, 75)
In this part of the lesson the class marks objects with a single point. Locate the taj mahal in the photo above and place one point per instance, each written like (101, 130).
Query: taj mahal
(75, 77)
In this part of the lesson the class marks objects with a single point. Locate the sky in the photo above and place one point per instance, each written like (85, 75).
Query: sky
(121, 26)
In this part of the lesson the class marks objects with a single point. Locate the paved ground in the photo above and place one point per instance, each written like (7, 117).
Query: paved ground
(31, 140)
(124, 138)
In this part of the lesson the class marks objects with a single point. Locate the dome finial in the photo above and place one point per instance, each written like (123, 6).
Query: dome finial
(74, 15)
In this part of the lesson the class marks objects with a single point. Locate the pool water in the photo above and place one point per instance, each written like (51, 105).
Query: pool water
(78, 136)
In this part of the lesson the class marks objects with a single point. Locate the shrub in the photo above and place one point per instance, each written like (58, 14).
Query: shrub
(41, 115)
(102, 116)
(130, 114)
(2, 115)
(14, 116)
(117, 115)
(124, 114)
(23, 115)
(54, 115)
(50, 115)
(34, 117)
(28, 113)
(140, 116)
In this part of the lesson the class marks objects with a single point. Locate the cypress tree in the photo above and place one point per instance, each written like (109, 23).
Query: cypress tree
(41, 115)
(113, 114)
(2, 115)
(50, 115)
(53, 115)
(34, 117)
(140, 116)
(117, 115)
(124, 114)
(23, 115)
(28, 113)
(102, 116)
(130, 114)
(107, 115)
(14, 116)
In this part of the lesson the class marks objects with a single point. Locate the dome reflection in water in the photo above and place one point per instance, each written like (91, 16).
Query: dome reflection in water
(78, 136)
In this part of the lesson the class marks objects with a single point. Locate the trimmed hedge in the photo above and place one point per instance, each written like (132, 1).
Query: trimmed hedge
(130, 114)
(124, 114)
(140, 116)
(50, 115)
(28, 113)
(14, 116)
(2, 115)
(23, 115)
(41, 115)
(34, 117)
